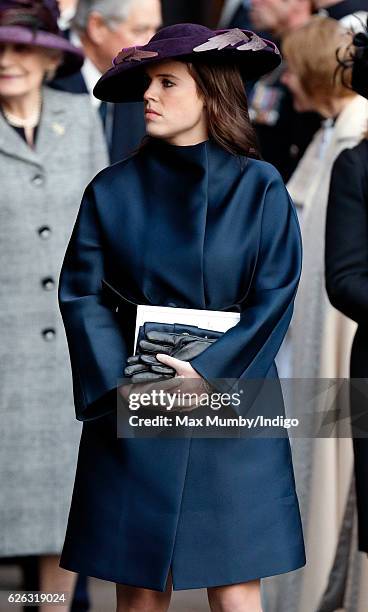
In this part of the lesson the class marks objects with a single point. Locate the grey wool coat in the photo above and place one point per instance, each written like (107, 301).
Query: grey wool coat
(40, 194)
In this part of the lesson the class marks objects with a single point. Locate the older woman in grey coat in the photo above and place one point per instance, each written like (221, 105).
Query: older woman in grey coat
(51, 145)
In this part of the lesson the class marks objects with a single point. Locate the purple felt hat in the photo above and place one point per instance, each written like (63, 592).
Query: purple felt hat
(35, 22)
(125, 81)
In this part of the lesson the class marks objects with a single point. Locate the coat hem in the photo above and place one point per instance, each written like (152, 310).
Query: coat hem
(183, 586)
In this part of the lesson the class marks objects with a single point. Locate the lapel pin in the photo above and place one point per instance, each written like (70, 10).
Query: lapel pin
(58, 129)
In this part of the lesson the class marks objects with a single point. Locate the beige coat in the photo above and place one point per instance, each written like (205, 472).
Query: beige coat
(320, 338)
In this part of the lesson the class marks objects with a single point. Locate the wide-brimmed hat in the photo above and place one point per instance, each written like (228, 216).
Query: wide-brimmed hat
(35, 22)
(125, 81)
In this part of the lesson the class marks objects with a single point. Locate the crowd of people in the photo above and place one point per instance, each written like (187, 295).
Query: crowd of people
(311, 120)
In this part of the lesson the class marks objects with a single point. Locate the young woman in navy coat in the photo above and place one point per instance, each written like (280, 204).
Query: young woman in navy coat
(192, 220)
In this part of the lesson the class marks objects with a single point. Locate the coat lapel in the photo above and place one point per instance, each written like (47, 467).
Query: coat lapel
(13, 145)
(311, 171)
(352, 121)
(54, 123)
(52, 127)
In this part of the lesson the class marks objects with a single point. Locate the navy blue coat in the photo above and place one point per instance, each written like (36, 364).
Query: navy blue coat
(193, 227)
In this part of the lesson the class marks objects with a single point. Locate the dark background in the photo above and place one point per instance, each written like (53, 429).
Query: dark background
(205, 12)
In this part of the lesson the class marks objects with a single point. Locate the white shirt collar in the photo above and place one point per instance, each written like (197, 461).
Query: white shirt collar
(90, 72)
(91, 75)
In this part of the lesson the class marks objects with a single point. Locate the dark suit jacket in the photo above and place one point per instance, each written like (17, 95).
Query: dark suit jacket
(347, 246)
(347, 287)
(128, 127)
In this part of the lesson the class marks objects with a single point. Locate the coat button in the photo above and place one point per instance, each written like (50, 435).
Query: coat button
(48, 283)
(44, 232)
(48, 334)
(38, 179)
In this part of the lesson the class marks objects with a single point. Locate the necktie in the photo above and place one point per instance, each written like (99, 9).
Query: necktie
(106, 111)
(103, 112)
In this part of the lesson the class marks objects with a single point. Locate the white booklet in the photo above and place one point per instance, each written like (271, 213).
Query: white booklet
(215, 320)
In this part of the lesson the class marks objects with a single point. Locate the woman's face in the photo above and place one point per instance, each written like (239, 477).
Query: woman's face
(301, 101)
(23, 68)
(174, 110)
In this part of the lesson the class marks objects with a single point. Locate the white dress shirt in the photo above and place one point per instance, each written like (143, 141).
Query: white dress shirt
(89, 71)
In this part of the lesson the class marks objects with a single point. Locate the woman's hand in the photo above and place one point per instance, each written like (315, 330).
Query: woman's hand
(187, 380)
(183, 368)
(192, 382)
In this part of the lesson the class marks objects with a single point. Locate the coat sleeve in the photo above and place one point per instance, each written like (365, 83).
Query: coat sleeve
(96, 343)
(346, 255)
(248, 350)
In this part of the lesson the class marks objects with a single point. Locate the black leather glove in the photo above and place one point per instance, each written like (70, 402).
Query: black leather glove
(183, 346)
(149, 366)
(145, 367)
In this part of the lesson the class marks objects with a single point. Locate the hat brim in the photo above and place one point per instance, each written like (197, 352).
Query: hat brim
(125, 81)
(72, 56)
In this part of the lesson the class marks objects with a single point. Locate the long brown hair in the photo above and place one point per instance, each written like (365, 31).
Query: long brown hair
(223, 90)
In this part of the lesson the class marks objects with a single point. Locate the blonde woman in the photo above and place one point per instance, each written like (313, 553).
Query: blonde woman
(320, 336)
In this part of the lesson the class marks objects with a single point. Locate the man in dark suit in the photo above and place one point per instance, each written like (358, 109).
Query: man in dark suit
(235, 14)
(103, 28)
(283, 133)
